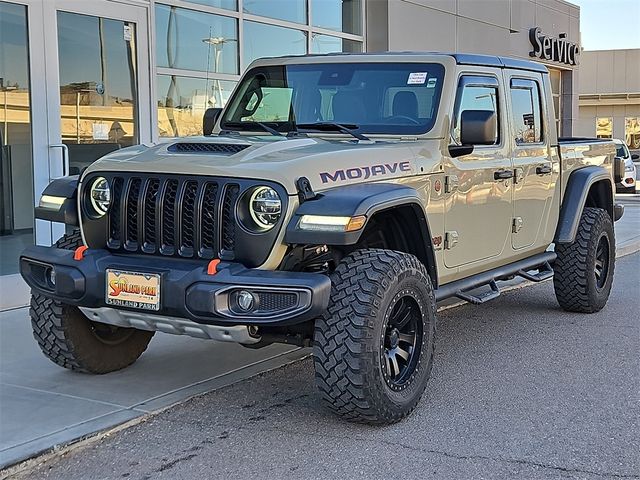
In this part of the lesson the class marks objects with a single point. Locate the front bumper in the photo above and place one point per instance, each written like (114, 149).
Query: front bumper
(187, 290)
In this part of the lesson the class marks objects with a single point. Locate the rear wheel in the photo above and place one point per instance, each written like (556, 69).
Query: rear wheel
(583, 271)
(68, 338)
(373, 349)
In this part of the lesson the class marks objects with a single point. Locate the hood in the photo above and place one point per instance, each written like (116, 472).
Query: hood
(326, 163)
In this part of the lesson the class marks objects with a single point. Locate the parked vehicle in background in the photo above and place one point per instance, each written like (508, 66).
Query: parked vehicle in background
(331, 204)
(628, 183)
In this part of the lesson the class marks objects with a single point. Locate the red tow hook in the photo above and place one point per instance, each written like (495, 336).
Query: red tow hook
(79, 253)
(212, 268)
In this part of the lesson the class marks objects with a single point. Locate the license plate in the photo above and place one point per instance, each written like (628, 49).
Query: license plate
(133, 289)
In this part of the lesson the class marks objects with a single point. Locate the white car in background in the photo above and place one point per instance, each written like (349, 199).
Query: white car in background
(628, 184)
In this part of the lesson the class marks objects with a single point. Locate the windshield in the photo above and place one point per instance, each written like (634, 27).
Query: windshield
(383, 98)
(621, 151)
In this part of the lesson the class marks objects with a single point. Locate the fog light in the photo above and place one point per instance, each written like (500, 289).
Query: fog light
(245, 300)
(52, 277)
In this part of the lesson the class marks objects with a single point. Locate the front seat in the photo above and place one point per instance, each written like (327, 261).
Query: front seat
(348, 107)
(405, 104)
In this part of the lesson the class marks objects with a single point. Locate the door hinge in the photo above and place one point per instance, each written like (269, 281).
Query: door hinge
(450, 239)
(450, 183)
(517, 224)
(518, 175)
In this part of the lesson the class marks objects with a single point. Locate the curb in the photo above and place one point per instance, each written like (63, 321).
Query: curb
(629, 247)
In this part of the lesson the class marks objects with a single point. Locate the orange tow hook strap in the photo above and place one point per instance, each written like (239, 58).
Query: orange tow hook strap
(212, 269)
(79, 253)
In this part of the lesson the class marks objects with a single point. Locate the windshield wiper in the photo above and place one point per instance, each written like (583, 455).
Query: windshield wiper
(263, 126)
(340, 127)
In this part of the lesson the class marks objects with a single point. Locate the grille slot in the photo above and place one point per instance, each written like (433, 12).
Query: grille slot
(208, 231)
(187, 218)
(228, 220)
(114, 240)
(131, 221)
(193, 147)
(168, 246)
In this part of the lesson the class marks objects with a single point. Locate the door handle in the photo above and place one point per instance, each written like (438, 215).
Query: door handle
(503, 174)
(543, 169)
(65, 157)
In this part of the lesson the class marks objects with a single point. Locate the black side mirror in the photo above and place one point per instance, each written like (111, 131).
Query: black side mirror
(618, 169)
(209, 120)
(478, 127)
(635, 156)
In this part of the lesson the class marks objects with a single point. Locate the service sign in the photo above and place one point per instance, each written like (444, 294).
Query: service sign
(553, 49)
(133, 290)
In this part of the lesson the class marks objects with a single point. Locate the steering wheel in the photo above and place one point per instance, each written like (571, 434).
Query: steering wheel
(413, 121)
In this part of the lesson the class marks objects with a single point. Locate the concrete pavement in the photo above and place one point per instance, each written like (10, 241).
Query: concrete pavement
(44, 406)
(519, 389)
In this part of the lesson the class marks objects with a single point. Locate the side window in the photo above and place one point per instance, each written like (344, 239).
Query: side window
(525, 104)
(476, 93)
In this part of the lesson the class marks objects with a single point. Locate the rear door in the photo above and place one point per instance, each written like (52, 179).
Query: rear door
(535, 174)
(478, 186)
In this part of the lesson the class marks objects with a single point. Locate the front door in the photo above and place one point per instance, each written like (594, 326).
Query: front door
(98, 90)
(478, 186)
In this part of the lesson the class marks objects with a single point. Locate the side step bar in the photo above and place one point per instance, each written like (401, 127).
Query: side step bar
(459, 288)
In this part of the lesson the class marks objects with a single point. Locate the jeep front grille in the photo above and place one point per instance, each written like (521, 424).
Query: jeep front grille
(187, 217)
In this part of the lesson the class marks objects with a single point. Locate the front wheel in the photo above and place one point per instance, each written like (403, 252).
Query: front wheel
(583, 271)
(373, 349)
(68, 338)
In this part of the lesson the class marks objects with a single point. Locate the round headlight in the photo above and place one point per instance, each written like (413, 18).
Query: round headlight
(100, 196)
(265, 207)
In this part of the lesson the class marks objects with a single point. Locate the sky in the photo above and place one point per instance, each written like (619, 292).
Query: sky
(609, 24)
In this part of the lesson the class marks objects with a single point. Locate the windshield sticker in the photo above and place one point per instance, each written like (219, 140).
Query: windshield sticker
(417, 78)
(431, 83)
(364, 172)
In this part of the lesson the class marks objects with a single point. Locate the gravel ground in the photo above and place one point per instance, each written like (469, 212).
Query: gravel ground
(520, 389)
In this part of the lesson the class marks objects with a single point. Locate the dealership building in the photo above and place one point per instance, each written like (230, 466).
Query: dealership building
(81, 78)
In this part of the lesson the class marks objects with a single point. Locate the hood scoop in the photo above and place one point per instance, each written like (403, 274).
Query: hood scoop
(195, 147)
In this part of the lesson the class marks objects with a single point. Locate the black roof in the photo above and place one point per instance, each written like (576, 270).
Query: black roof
(461, 59)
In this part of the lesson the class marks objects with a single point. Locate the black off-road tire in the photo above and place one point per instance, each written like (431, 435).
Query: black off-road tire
(350, 340)
(576, 282)
(68, 338)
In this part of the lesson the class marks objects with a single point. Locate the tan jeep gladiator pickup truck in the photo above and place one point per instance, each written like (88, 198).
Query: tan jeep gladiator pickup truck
(331, 203)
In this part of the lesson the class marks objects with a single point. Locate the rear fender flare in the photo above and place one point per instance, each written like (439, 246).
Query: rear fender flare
(579, 185)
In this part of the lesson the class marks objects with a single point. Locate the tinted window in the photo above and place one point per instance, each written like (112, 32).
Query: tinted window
(621, 151)
(374, 98)
(525, 105)
(475, 97)
(290, 10)
(193, 40)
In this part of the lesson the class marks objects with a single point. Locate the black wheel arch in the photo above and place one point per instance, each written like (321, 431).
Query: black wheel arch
(381, 203)
(590, 186)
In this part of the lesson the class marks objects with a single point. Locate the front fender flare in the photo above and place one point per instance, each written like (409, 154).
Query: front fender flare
(575, 198)
(347, 201)
(67, 212)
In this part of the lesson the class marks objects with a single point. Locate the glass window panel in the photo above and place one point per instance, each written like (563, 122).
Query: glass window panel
(182, 102)
(632, 132)
(328, 44)
(290, 10)
(556, 106)
(261, 40)
(196, 41)
(16, 161)
(525, 106)
(227, 4)
(340, 15)
(604, 127)
(476, 98)
(98, 89)
(555, 76)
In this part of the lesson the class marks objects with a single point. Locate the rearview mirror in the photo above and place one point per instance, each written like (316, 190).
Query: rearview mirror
(209, 120)
(478, 127)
